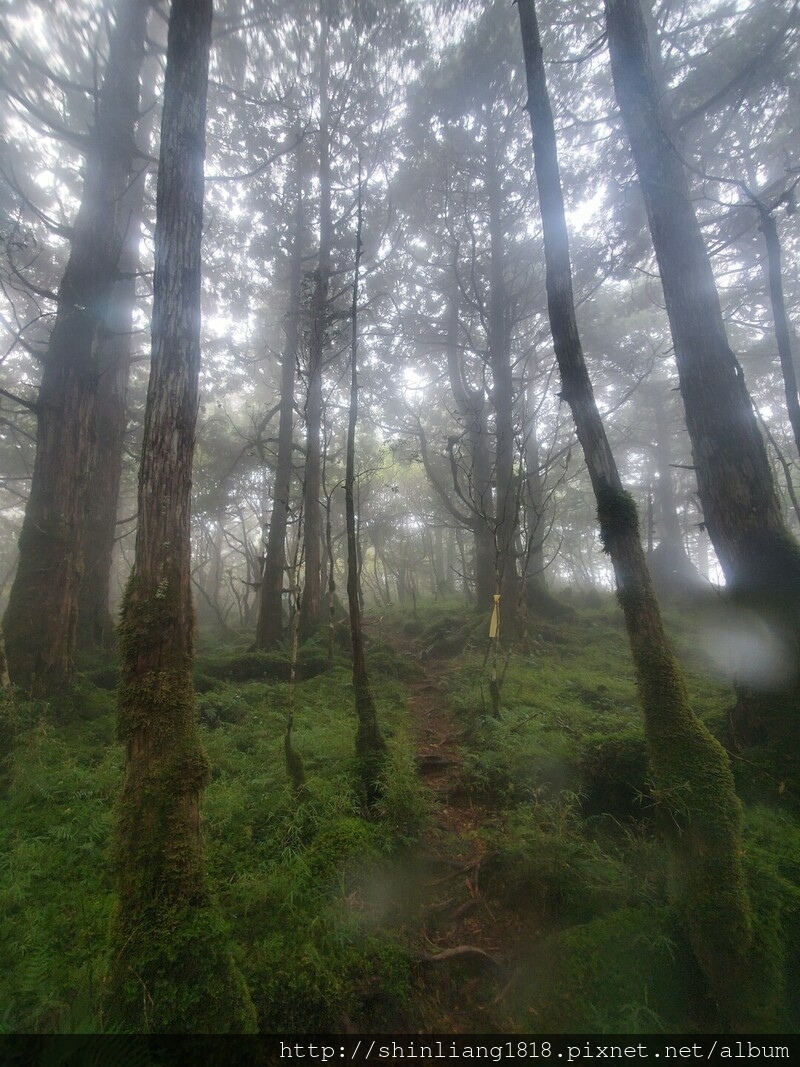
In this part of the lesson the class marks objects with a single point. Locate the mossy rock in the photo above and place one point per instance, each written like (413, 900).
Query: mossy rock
(413, 628)
(614, 776)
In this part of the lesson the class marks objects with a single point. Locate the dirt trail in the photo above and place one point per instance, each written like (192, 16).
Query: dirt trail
(466, 942)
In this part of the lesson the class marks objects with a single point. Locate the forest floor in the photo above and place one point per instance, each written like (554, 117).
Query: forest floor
(463, 937)
(511, 880)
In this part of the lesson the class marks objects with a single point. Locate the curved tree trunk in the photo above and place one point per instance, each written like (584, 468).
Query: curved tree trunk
(741, 508)
(691, 772)
(171, 969)
(41, 618)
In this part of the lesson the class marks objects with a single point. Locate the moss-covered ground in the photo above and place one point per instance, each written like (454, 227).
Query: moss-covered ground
(572, 900)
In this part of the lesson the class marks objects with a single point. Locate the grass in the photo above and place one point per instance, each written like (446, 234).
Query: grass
(570, 845)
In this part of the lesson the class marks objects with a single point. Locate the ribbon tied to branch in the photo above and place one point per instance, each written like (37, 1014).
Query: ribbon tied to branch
(494, 622)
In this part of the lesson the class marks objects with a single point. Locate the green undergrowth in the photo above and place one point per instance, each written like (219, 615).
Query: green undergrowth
(55, 881)
(288, 872)
(314, 891)
(572, 844)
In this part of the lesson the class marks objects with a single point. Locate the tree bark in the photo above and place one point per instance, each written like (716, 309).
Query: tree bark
(672, 571)
(311, 600)
(506, 485)
(779, 316)
(691, 772)
(537, 596)
(370, 745)
(95, 622)
(471, 408)
(741, 508)
(172, 969)
(737, 491)
(96, 625)
(42, 614)
(269, 628)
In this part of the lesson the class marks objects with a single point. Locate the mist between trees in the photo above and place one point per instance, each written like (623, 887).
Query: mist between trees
(442, 303)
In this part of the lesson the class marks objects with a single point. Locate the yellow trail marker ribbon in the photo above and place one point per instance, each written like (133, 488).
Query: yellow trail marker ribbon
(494, 622)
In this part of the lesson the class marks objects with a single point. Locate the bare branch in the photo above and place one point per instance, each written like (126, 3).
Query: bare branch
(29, 404)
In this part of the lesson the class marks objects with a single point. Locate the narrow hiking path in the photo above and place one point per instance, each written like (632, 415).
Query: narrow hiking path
(467, 943)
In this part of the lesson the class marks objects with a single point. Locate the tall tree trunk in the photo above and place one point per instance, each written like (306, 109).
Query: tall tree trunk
(737, 491)
(506, 485)
(269, 629)
(779, 317)
(370, 746)
(311, 601)
(41, 618)
(95, 622)
(450, 557)
(172, 969)
(96, 625)
(691, 772)
(465, 584)
(537, 596)
(441, 576)
(670, 527)
(210, 584)
(672, 570)
(478, 498)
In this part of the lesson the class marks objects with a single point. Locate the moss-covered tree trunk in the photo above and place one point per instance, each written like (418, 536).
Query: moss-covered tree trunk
(370, 745)
(741, 508)
(171, 965)
(690, 770)
(269, 628)
(41, 618)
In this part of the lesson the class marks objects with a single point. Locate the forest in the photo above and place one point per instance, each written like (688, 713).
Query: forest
(399, 520)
